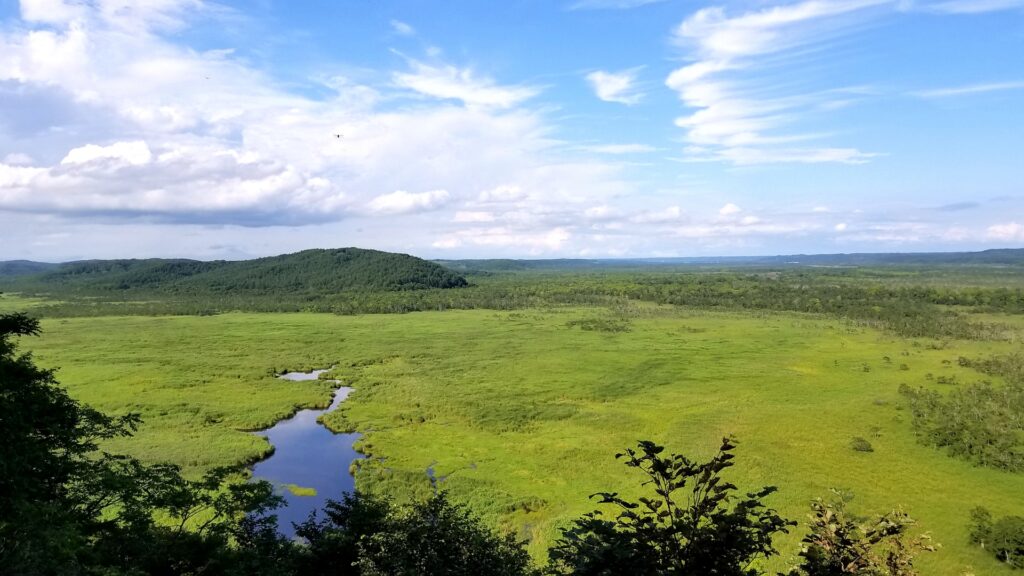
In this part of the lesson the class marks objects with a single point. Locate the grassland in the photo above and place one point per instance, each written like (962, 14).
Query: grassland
(521, 412)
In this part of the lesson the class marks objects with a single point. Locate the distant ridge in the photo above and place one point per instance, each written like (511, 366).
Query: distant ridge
(24, 267)
(308, 272)
(992, 257)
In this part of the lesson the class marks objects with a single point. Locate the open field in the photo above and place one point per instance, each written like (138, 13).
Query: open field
(524, 410)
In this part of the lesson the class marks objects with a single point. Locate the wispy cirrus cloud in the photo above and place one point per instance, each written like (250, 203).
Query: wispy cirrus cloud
(402, 28)
(618, 148)
(974, 6)
(970, 89)
(737, 83)
(448, 82)
(610, 4)
(617, 87)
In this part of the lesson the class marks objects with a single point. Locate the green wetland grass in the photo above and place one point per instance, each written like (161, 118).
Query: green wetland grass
(519, 414)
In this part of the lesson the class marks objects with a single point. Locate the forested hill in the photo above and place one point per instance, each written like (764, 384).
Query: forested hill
(310, 272)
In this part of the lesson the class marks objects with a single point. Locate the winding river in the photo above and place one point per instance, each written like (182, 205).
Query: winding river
(307, 457)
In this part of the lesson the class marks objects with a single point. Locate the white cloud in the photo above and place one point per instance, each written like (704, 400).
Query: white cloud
(176, 183)
(402, 202)
(619, 148)
(465, 216)
(204, 137)
(599, 212)
(451, 83)
(131, 153)
(1007, 232)
(670, 214)
(970, 89)
(402, 28)
(51, 11)
(726, 84)
(503, 193)
(133, 15)
(18, 159)
(975, 6)
(747, 156)
(610, 4)
(737, 230)
(617, 87)
(841, 227)
(534, 243)
(729, 209)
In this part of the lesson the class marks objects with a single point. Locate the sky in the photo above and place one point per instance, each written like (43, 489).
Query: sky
(521, 128)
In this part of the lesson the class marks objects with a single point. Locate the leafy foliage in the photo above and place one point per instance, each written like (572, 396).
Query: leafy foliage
(1004, 538)
(981, 423)
(67, 508)
(664, 534)
(429, 537)
(839, 544)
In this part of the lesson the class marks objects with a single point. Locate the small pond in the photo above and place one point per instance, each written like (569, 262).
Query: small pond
(308, 456)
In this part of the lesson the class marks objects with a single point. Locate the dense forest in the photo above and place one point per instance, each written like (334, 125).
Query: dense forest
(306, 273)
(309, 282)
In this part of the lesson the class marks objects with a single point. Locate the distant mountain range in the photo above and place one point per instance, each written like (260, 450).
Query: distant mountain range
(306, 272)
(1000, 257)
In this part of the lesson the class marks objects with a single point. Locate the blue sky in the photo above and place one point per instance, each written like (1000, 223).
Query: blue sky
(575, 128)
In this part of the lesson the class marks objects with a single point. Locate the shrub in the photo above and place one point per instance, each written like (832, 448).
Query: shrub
(668, 533)
(838, 544)
(1004, 538)
(861, 445)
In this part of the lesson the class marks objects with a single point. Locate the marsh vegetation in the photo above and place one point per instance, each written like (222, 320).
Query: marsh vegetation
(895, 386)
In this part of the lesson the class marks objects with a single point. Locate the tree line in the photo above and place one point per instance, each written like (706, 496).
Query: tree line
(913, 311)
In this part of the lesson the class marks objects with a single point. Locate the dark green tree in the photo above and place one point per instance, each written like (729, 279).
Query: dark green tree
(66, 507)
(1004, 537)
(368, 536)
(693, 524)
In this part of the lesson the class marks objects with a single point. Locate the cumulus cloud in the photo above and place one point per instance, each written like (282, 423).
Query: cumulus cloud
(204, 137)
(17, 159)
(464, 216)
(729, 210)
(670, 214)
(617, 87)
(402, 202)
(500, 237)
(176, 184)
(503, 193)
(1006, 232)
(726, 86)
(130, 153)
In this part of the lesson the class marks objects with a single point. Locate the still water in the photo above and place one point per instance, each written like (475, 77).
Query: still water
(308, 455)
